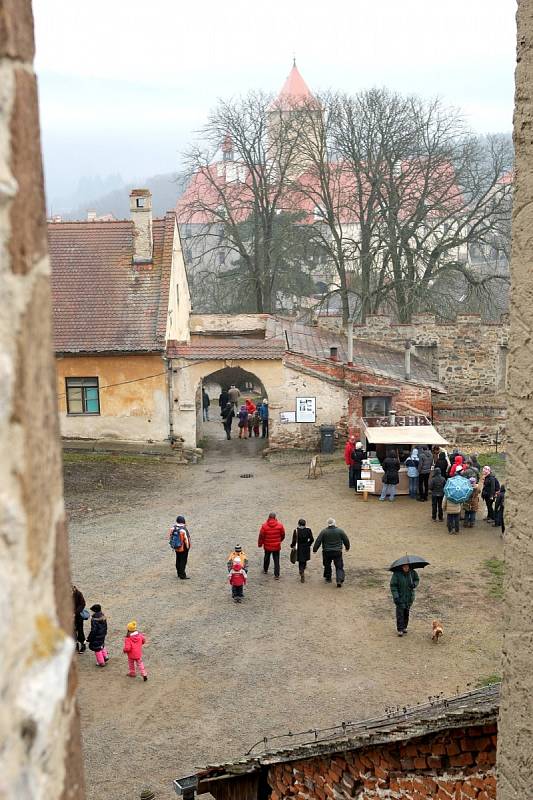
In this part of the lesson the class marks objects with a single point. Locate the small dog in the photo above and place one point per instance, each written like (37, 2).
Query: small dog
(437, 630)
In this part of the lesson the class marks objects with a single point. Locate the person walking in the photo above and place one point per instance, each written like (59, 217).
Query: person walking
(180, 540)
(499, 509)
(223, 398)
(302, 539)
(391, 475)
(403, 585)
(133, 647)
(263, 413)
(424, 468)
(436, 487)
(488, 491)
(233, 397)
(206, 402)
(411, 462)
(237, 579)
(97, 635)
(243, 423)
(348, 448)
(358, 456)
(239, 553)
(453, 514)
(228, 415)
(332, 540)
(472, 504)
(271, 535)
(78, 601)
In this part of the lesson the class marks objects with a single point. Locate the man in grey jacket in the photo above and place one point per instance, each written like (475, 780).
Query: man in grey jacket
(332, 540)
(424, 468)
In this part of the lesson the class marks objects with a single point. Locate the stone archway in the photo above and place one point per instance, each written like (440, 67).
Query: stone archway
(248, 383)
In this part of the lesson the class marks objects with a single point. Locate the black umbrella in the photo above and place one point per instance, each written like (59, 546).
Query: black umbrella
(415, 562)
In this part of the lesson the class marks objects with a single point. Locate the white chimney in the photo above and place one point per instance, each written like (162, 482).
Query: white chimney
(91, 216)
(141, 215)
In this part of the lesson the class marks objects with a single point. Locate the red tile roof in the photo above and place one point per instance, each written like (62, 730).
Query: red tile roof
(294, 92)
(205, 348)
(101, 303)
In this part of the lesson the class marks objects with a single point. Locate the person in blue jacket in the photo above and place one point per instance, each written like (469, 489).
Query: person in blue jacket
(263, 414)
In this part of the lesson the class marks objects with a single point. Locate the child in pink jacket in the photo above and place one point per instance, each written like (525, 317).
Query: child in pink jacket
(133, 647)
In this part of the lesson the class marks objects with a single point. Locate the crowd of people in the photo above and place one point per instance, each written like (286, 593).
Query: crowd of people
(252, 418)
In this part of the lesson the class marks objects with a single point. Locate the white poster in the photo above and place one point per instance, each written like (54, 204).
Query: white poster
(366, 475)
(287, 416)
(306, 409)
(366, 486)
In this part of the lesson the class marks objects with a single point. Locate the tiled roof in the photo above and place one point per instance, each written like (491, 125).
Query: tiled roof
(203, 348)
(101, 303)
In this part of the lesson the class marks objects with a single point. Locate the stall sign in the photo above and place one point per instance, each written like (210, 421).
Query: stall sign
(287, 416)
(306, 409)
(366, 475)
(366, 486)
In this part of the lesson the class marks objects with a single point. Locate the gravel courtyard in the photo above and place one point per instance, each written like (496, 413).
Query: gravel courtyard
(292, 656)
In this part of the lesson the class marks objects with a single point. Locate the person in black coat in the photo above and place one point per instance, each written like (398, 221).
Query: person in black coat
(358, 455)
(78, 601)
(96, 637)
(302, 539)
(436, 487)
(228, 415)
(443, 464)
(499, 509)
(223, 398)
(391, 475)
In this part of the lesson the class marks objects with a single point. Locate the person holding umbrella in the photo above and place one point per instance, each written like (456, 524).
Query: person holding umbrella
(403, 585)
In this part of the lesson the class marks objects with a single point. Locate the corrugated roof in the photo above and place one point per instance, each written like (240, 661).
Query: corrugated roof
(101, 302)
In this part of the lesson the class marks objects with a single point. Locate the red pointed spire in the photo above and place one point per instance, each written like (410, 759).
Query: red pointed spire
(295, 91)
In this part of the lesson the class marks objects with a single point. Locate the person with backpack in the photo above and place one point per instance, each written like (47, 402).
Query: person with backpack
(228, 415)
(302, 539)
(271, 535)
(133, 647)
(436, 487)
(239, 553)
(237, 580)
(490, 487)
(243, 423)
(179, 539)
(424, 468)
(97, 635)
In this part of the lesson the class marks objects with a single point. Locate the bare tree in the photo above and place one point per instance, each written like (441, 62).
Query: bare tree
(235, 206)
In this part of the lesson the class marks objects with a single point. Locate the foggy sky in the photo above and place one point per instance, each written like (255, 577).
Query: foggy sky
(124, 84)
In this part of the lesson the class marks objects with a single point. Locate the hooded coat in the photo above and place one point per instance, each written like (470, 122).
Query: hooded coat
(237, 576)
(302, 539)
(443, 464)
(98, 632)
(457, 462)
(271, 535)
(403, 587)
(411, 462)
(436, 484)
(426, 462)
(348, 453)
(391, 469)
(133, 645)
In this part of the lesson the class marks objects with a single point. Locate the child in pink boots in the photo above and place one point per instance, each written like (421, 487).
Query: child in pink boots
(96, 637)
(133, 647)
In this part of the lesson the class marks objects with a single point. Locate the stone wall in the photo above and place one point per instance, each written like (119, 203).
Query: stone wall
(457, 764)
(468, 357)
(516, 709)
(39, 732)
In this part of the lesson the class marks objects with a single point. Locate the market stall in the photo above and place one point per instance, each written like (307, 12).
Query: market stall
(397, 433)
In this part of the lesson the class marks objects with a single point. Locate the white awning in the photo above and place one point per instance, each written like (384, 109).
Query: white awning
(403, 434)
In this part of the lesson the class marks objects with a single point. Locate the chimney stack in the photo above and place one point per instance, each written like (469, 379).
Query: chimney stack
(408, 360)
(141, 216)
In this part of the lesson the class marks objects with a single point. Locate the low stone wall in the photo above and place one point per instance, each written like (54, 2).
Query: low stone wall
(457, 764)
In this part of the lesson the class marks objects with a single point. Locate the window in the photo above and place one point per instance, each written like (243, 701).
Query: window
(376, 406)
(83, 396)
(140, 202)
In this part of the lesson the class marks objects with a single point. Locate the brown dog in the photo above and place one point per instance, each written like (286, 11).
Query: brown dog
(437, 630)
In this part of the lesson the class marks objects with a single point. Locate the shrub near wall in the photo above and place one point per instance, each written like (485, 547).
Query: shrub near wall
(452, 765)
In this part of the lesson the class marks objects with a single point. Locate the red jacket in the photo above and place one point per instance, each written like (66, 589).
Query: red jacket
(271, 535)
(133, 645)
(250, 406)
(348, 453)
(457, 462)
(237, 577)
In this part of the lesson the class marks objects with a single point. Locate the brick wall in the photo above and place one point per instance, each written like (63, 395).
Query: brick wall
(469, 358)
(457, 764)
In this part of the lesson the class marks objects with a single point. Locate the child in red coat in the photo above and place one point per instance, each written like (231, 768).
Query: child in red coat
(237, 579)
(133, 647)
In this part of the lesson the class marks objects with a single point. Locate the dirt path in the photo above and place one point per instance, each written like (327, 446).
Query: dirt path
(291, 656)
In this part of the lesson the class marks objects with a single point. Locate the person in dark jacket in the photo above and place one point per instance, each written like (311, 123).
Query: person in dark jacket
(206, 402)
(96, 637)
(403, 585)
(243, 423)
(302, 539)
(358, 455)
(228, 415)
(436, 487)
(499, 509)
(332, 540)
(391, 475)
(424, 468)
(488, 492)
(443, 464)
(271, 535)
(263, 414)
(223, 398)
(78, 601)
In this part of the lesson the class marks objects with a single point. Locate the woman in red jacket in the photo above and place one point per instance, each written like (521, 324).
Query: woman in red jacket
(350, 446)
(271, 535)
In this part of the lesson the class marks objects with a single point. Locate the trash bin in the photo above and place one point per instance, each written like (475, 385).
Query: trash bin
(327, 438)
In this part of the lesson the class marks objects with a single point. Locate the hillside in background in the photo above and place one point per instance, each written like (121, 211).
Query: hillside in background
(166, 189)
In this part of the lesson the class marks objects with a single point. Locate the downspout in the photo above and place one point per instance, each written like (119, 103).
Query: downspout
(170, 397)
(350, 343)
